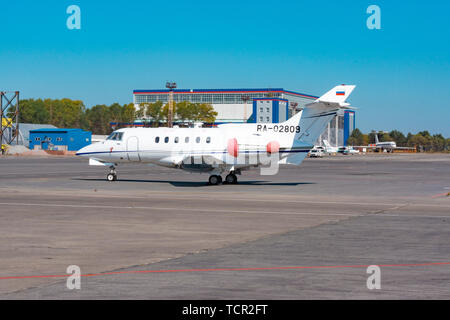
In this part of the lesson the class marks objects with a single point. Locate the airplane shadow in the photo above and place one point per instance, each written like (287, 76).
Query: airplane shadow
(202, 183)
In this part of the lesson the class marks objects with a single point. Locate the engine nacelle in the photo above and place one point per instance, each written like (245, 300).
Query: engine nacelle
(233, 147)
(273, 147)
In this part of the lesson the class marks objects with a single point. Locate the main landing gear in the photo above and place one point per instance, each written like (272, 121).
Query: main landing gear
(231, 178)
(112, 175)
(217, 179)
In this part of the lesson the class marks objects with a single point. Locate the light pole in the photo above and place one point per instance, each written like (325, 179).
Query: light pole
(171, 86)
(245, 99)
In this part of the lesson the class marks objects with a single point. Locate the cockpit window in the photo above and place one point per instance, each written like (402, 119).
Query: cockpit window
(115, 136)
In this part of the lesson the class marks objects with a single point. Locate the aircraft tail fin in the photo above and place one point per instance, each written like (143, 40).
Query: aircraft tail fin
(315, 117)
(376, 138)
(338, 94)
(318, 114)
(326, 143)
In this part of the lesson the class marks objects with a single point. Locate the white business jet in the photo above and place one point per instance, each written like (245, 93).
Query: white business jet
(385, 145)
(329, 148)
(228, 148)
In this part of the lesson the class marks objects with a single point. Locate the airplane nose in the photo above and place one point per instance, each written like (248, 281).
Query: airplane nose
(83, 151)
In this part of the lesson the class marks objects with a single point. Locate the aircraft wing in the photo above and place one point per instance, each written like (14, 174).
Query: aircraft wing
(193, 159)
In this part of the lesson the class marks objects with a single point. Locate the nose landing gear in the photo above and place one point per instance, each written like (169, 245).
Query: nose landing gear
(112, 175)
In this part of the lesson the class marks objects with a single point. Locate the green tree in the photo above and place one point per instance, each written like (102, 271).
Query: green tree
(128, 113)
(384, 137)
(31, 111)
(98, 118)
(356, 138)
(164, 115)
(207, 113)
(185, 111)
(188, 111)
(140, 112)
(398, 137)
(154, 110)
(438, 142)
(116, 112)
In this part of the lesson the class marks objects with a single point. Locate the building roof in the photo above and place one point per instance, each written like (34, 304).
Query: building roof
(259, 90)
(56, 130)
(275, 99)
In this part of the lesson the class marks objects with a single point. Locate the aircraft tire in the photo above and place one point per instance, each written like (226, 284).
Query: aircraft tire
(111, 177)
(214, 180)
(231, 179)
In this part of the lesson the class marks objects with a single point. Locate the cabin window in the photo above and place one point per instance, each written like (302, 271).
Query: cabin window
(38, 139)
(59, 139)
(115, 136)
(186, 140)
(208, 140)
(176, 139)
(197, 140)
(268, 119)
(157, 140)
(166, 139)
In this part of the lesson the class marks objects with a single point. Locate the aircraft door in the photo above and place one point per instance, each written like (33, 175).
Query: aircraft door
(133, 149)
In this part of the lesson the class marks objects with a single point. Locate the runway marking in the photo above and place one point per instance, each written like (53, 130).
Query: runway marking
(381, 214)
(441, 195)
(172, 197)
(228, 269)
(175, 209)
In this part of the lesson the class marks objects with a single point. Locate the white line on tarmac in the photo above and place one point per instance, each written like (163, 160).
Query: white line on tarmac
(219, 210)
(174, 209)
(212, 197)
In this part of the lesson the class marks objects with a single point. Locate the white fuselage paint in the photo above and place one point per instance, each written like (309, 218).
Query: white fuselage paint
(171, 146)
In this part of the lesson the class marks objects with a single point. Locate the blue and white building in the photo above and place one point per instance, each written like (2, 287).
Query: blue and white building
(269, 110)
(59, 139)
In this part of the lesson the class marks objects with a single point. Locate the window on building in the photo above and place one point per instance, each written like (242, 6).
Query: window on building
(157, 140)
(166, 139)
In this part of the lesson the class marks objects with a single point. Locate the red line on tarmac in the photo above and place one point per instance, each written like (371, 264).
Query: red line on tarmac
(440, 195)
(227, 269)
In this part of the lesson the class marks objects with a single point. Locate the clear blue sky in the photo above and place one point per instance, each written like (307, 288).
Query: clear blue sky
(402, 71)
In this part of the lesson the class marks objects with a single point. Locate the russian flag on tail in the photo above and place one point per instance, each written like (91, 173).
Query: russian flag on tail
(340, 93)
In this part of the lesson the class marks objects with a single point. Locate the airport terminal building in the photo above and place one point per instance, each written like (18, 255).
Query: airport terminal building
(263, 105)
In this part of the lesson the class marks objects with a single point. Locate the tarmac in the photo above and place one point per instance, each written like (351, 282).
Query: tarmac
(309, 232)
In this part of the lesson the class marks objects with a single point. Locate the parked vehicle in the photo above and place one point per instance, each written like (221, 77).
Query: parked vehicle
(316, 153)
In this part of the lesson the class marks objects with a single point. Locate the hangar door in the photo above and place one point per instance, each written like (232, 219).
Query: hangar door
(133, 149)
